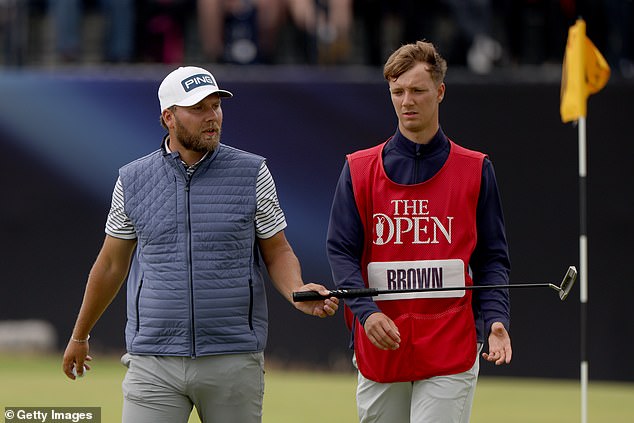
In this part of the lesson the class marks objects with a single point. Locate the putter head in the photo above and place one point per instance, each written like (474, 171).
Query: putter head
(566, 284)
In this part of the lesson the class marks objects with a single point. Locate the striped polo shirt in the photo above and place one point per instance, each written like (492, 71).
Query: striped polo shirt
(269, 217)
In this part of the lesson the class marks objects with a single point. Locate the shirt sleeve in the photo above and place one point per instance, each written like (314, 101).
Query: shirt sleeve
(269, 217)
(490, 263)
(345, 246)
(118, 223)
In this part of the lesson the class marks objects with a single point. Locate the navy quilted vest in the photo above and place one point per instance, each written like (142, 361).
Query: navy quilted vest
(195, 286)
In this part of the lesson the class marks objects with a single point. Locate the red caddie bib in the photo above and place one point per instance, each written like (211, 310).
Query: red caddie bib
(419, 236)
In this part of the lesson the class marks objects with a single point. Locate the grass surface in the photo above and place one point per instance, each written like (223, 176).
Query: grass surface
(307, 397)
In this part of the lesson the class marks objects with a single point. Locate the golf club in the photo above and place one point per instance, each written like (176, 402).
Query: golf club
(563, 289)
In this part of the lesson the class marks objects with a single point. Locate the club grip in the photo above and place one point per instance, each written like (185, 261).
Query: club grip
(302, 296)
(337, 293)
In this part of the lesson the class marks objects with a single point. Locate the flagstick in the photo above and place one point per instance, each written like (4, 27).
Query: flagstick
(583, 265)
(584, 72)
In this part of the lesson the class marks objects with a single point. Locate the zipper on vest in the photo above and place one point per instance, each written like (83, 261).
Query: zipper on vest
(190, 270)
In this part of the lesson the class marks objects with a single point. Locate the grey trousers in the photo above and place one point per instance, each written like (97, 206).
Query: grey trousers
(441, 399)
(223, 388)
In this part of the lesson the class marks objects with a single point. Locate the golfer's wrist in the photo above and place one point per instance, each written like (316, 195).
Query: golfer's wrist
(80, 339)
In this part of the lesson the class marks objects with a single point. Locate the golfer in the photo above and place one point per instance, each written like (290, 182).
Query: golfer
(420, 211)
(192, 223)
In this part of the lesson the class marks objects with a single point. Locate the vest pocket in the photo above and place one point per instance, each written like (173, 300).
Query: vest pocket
(137, 299)
(250, 304)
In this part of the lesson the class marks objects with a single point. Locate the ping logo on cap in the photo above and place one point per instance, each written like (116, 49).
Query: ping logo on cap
(196, 81)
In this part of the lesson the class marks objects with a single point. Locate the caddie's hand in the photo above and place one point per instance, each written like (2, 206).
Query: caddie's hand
(319, 308)
(500, 350)
(382, 332)
(76, 357)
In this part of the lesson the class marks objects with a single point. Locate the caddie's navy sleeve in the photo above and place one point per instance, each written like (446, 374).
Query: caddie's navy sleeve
(345, 246)
(490, 262)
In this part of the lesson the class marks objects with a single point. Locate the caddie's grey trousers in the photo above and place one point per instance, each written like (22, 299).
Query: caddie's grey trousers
(441, 399)
(223, 388)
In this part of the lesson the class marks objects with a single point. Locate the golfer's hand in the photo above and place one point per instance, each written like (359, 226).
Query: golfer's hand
(382, 332)
(500, 350)
(76, 355)
(319, 308)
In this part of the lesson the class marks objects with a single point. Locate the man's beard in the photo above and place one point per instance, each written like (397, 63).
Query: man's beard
(195, 142)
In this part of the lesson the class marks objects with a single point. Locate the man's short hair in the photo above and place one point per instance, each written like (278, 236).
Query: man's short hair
(408, 55)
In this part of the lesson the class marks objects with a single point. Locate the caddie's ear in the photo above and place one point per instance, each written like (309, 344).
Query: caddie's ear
(441, 92)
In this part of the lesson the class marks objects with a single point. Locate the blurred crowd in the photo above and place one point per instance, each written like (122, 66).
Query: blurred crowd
(478, 34)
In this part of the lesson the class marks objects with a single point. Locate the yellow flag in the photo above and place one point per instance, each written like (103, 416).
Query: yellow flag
(584, 72)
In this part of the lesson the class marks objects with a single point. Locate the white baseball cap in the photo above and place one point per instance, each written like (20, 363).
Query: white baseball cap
(187, 86)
